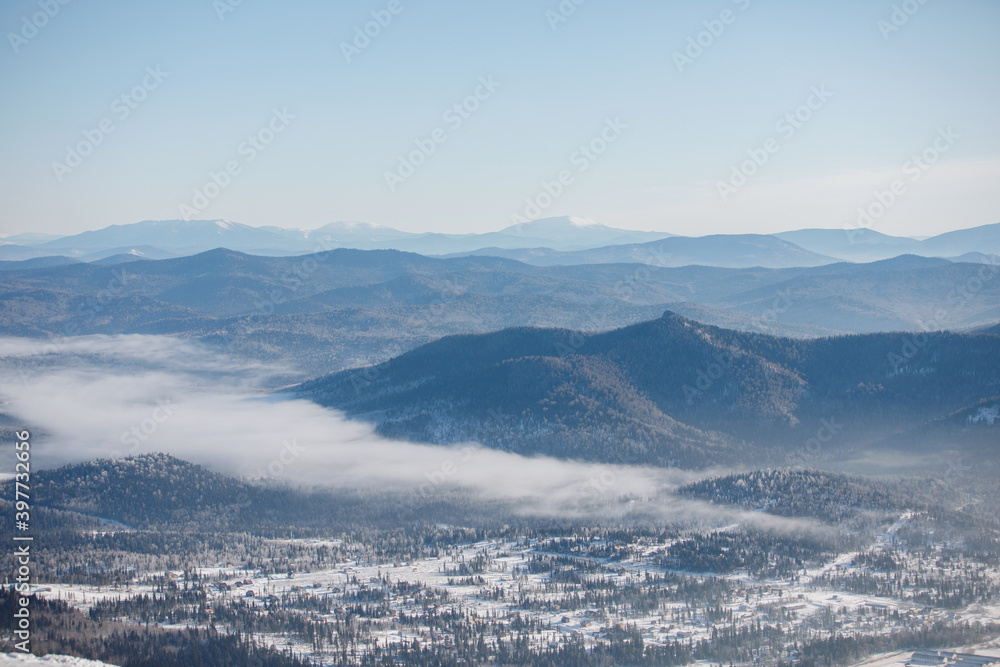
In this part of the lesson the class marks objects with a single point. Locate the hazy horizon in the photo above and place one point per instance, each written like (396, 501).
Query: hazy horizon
(544, 333)
(315, 226)
(650, 116)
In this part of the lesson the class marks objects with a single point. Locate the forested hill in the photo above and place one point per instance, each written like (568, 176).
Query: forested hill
(815, 494)
(158, 492)
(668, 392)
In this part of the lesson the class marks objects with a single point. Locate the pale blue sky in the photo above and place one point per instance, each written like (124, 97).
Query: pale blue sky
(558, 87)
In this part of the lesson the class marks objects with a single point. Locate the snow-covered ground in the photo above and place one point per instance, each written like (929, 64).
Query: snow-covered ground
(752, 599)
(899, 658)
(27, 660)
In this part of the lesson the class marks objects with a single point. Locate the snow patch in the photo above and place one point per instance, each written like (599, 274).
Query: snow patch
(988, 416)
(19, 659)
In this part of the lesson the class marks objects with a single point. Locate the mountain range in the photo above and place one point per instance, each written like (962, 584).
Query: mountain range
(343, 308)
(157, 239)
(866, 245)
(550, 241)
(724, 250)
(568, 353)
(674, 392)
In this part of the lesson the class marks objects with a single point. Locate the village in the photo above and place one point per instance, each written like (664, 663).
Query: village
(533, 589)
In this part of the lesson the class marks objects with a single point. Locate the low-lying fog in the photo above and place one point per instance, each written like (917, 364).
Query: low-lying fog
(113, 396)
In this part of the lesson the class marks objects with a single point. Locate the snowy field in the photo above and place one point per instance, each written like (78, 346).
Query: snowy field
(22, 659)
(505, 578)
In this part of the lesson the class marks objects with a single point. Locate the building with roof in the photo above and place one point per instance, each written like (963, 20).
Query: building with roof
(931, 658)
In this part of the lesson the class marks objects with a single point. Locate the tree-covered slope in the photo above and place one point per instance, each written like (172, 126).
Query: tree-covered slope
(667, 391)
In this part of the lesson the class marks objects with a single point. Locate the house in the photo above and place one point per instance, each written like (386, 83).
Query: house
(931, 658)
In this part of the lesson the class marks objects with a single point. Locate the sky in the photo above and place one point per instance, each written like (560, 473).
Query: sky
(729, 116)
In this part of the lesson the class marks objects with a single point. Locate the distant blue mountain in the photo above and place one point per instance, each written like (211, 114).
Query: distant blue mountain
(723, 250)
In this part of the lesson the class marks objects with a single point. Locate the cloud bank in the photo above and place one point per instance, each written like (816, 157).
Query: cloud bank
(112, 396)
